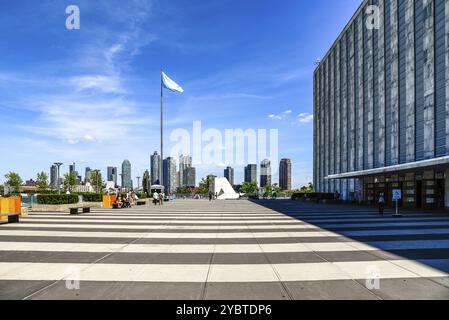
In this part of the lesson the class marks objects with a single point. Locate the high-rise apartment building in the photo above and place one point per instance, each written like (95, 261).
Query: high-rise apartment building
(229, 174)
(112, 175)
(126, 175)
(170, 173)
(155, 168)
(285, 174)
(265, 173)
(251, 173)
(184, 163)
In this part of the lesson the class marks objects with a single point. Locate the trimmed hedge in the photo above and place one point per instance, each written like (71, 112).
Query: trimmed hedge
(92, 197)
(57, 198)
(142, 195)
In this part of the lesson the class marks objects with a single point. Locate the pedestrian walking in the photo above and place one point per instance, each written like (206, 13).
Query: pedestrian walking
(381, 203)
(161, 199)
(155, 198)
(210, 196)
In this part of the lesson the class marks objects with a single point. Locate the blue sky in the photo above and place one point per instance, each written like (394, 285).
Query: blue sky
(92, 95)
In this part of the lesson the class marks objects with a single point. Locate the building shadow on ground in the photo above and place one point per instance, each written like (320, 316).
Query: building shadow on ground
(422, 236)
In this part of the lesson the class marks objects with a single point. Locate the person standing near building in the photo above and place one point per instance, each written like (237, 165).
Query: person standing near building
(155, 197)
(161, 198)
(381, 203)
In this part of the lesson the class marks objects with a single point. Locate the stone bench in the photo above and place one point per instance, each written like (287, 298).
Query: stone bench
(76, 210)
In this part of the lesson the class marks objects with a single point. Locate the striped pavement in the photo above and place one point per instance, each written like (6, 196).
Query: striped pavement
(191, 249)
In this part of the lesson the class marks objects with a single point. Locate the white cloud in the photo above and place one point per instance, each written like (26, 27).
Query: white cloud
(106, 84)
(305, 117)
(280, 116)
(75, 118)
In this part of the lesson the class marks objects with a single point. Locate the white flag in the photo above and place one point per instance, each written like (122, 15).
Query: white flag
(170, 84)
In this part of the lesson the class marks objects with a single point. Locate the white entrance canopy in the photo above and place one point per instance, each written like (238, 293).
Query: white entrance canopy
(431, 164)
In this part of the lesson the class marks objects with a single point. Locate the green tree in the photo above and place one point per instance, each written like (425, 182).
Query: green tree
(184, 190)
(96, 179)
(14, 181)
(275, 189)
(42, 181)
(308, 189)
(249, 188)
(204, 186)
(69, 181)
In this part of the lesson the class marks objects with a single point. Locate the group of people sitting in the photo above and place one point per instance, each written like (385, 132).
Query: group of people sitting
(125, 202)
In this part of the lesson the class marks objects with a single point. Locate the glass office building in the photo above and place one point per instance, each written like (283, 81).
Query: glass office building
(381, 105)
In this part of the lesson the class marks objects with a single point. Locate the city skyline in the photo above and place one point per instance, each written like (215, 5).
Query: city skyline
(111, 173)
(94, 76)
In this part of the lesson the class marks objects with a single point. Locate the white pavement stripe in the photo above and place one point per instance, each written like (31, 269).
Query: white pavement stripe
(353, 246)
(196, 235)
(233, 235)
(157, 227)
(141, 222)
(294, 224)
(206, 219)
(180, 248)
(218, 273)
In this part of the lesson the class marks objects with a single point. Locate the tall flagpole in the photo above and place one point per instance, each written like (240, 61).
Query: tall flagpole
(162, 134)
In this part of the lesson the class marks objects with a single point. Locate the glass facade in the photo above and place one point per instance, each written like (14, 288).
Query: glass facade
(381, 99)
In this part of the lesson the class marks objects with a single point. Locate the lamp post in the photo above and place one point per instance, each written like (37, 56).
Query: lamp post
(121, 179)
(58, 165)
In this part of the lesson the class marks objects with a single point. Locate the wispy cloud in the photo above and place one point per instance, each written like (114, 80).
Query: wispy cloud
(280, 116)
(104, 83)
(230, 96)
(305, 117)
(90, 107)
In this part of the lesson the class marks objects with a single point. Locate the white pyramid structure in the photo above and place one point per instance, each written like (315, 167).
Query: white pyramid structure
(223, 188)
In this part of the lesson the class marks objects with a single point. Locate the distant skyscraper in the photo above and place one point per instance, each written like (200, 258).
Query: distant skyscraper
(251, 173)
(189, 177)
(285, 174)
(155, 168)
(126, 175)
(265, 173)
(184, 163)
(54, 176)
(72, 170)
(169, 172)
(229, 174)
(87, 175)
(112, 175)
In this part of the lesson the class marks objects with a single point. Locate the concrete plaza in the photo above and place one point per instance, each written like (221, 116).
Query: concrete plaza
(194, 249)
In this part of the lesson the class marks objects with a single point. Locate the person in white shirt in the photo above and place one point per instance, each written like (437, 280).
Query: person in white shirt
(155, 198)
